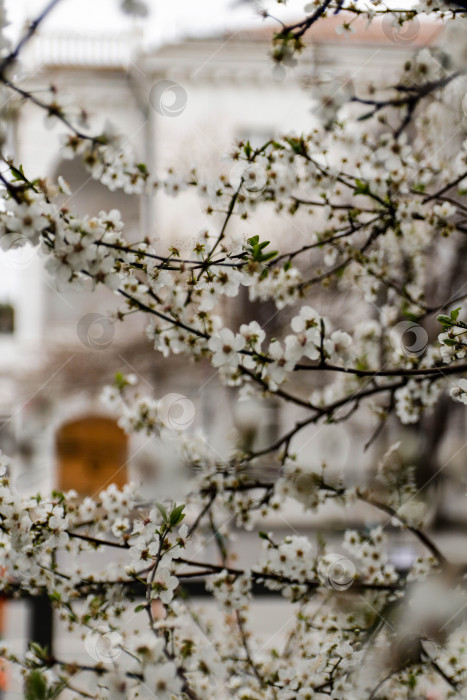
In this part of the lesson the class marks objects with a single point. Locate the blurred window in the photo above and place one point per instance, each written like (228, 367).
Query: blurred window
(7, 319)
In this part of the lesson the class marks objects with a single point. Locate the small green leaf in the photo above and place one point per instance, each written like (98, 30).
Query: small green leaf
(177, 515)
(18, 173)
(445, 320)
(455, 313)
(162, 511)
(256, 250)
(365, 116)
(297, 145)
(35, 686)
(120, 381)
(361, 187)
(39, 651)
(268, 256)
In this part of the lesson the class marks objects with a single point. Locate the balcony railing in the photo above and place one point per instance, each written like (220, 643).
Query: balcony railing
(81, 49)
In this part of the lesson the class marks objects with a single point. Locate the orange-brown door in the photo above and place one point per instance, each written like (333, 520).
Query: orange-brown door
(92, 453)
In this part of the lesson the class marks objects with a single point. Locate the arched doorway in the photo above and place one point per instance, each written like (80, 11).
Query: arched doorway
(92, 453)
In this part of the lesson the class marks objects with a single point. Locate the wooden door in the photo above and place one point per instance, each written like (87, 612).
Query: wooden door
(92, 453)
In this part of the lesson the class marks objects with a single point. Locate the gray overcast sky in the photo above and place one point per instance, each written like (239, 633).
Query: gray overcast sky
(169, 18)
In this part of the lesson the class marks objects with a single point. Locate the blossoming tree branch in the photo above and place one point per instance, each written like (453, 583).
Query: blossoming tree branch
(383, 201)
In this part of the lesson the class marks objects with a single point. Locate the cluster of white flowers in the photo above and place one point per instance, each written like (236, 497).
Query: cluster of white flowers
(373, 559)
(387, 213)
(452, 343)
(293, 559)
(244, 348)
(232, 592)
(459, 391)
(415, 397)
(77, 248)
(109, 160)
(141, 415)
(301, 483)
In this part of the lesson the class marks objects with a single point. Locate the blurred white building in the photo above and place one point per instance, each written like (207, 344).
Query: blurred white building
(223, 89)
